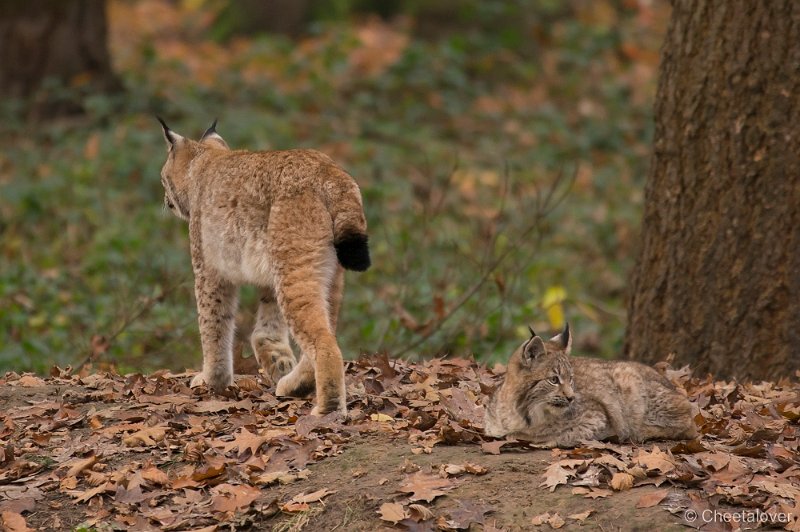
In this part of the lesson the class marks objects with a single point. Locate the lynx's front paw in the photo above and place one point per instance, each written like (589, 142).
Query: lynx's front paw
(217, 382)
(276, 361)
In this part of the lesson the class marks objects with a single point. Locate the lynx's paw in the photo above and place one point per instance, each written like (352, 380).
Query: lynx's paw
(297, 383)
(277, 361)
(217, 382)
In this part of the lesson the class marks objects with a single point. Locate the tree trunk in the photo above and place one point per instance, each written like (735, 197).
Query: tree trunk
(717, 280)
(62, 40)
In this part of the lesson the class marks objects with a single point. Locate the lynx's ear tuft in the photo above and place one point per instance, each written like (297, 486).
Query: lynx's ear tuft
(564, 339)
(533, 349)
(532, 331)
(212, 135)
(170, 136)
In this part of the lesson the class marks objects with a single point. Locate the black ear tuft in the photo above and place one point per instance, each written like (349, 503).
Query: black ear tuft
(533, 333)
(211, 130)
(168, 133)
(565, 336)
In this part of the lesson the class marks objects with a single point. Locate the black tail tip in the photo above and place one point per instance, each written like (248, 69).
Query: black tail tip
(353, 252)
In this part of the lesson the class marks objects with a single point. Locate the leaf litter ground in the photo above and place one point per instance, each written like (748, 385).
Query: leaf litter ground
(148, 453)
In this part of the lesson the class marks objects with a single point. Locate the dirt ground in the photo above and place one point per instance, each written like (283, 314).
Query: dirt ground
(369, 471)
(109, 452)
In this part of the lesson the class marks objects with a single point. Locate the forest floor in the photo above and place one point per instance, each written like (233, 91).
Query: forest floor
(110, 452)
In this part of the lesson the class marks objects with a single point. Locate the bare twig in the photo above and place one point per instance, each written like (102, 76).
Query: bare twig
(544, 206)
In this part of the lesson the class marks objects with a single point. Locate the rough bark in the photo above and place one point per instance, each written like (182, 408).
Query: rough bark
(717, 280)
(62, 40)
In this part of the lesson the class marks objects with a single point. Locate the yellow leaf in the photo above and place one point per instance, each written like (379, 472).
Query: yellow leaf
(551, 302)
(380, 417)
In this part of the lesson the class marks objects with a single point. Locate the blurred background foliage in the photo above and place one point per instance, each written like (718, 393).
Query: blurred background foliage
(456, 117)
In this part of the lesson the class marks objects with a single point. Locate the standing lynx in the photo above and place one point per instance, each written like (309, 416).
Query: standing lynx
(285, 221)
(555, 399)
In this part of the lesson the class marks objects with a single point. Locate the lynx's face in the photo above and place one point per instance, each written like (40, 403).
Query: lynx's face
(537, 386)
(541, 373)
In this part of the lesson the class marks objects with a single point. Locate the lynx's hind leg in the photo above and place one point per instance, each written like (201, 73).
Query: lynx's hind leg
(670, 416)
(306, 268)
(302, 382)
(270, 338)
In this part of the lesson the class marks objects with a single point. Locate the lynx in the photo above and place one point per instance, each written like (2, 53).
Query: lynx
(558, 400)
(286, 222)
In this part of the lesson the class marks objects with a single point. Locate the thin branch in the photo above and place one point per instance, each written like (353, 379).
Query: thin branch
(544, 208)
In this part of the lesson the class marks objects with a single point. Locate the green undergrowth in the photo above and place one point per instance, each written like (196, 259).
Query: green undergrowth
(456, 141)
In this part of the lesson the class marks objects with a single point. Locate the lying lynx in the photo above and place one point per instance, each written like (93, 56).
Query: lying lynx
(555, 399)
(285, 221)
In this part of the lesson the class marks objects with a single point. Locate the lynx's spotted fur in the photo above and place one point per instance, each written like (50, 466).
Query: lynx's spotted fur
(285, 221)
(556, 399)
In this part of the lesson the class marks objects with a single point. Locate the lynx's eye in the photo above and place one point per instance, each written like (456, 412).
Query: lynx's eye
(554, 380)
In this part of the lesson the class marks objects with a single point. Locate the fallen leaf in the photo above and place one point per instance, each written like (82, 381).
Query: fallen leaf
(155, 475)
(554, 476)
(14, 522)
(295, 507)
(651, 499)
(229, 497)
(556, 521)
(423, 487)
(419, 513)
(146, 437)
(81, 464)
(313, 497)
(392, 512)
(581, 517)
(540, 519)
(31, 381)
(598, 493)
(493, 447)
(621, 481)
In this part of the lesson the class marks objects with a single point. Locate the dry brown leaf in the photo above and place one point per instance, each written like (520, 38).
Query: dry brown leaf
(155, 475)
(230, 497)
(540, 519)
(80, 465)
(295, 507)
(656, 460)
(146, 437)
(392, 512)
(651, 499)
(554, 476)
(598, 493)
(31, 381)
(418, 512)
(14, 522)
(621, 481)
(492, 447)
(556, 521)
(424, 487)
(582, 516)
(313, 497)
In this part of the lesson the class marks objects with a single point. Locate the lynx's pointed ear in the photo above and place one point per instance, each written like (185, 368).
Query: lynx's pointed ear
(564, 339)
(170, 136)
(212, 135)
(533, 349)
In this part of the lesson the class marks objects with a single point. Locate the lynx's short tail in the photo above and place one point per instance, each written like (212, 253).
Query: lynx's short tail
(349, 224)
(352, 251)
